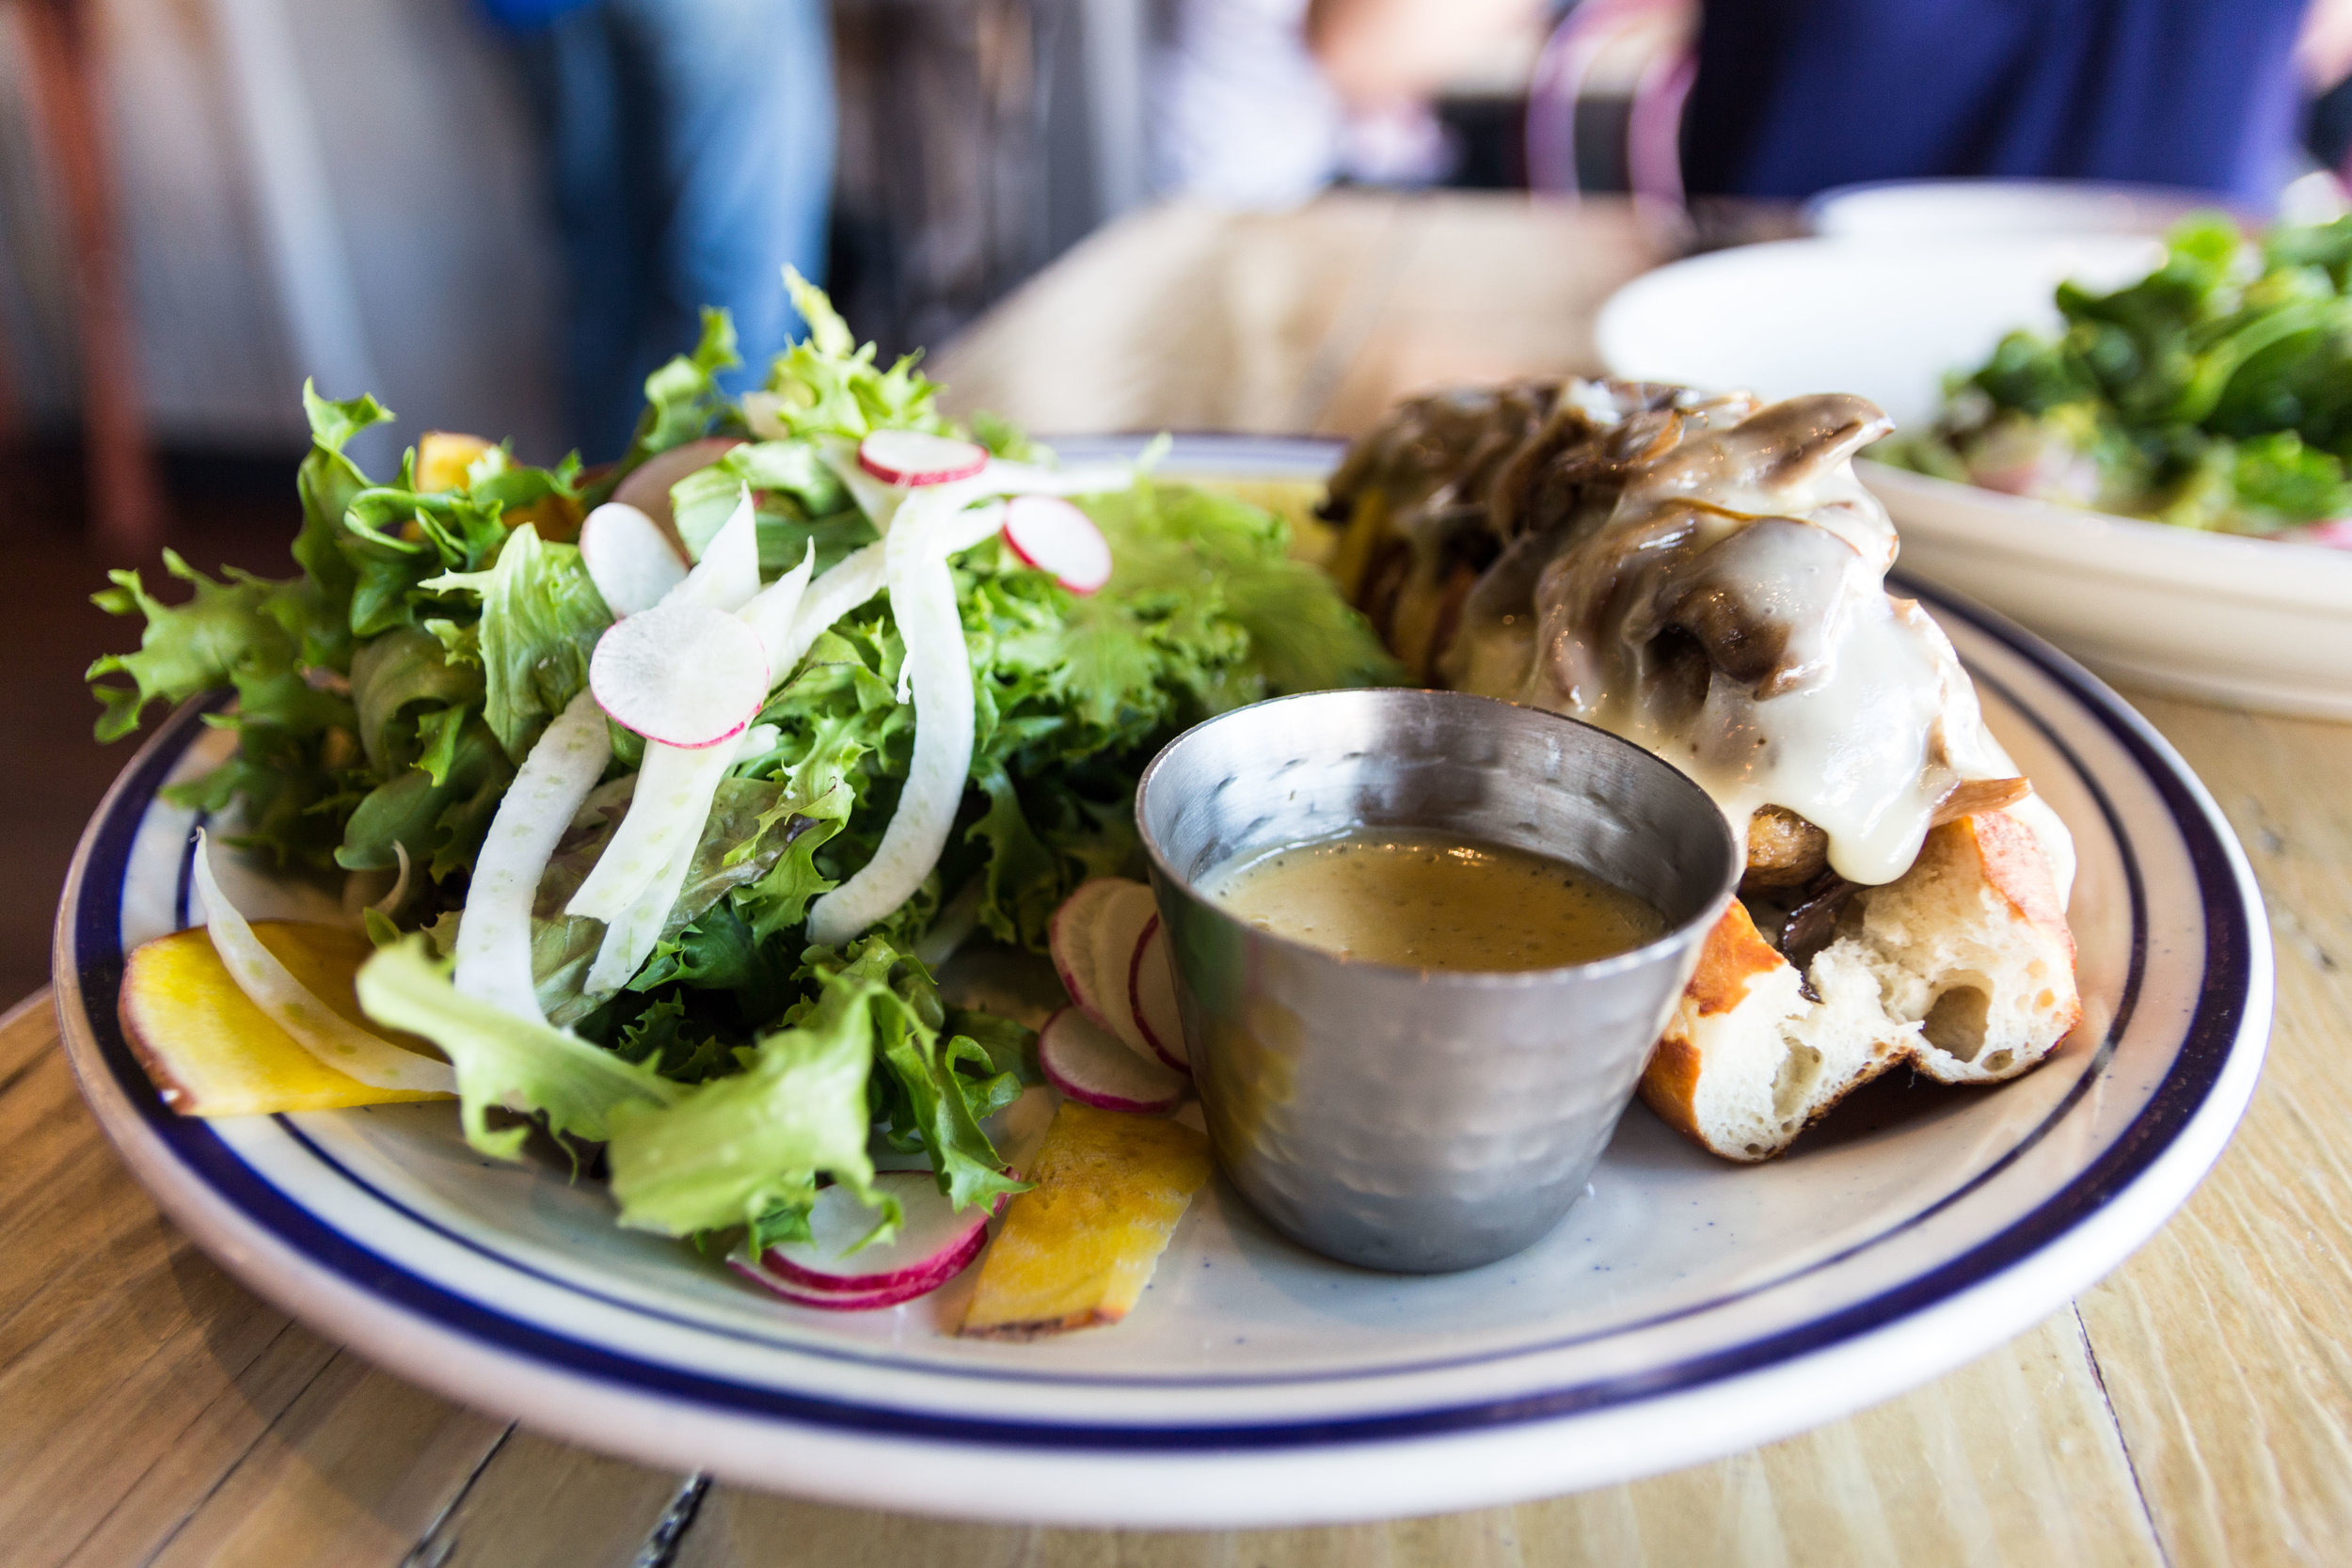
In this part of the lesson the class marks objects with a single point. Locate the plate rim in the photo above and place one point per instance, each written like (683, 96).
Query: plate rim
(2119, 1210)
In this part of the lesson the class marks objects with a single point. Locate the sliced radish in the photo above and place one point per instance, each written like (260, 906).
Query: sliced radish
(646, 486)
(685, 675)
(1069, 940)
(1094, 1066)
(629, 558)
(857, 1301)
(912, 458)
(1052, 535)
(1118, 930)
(932, 1233)
(1151, 994)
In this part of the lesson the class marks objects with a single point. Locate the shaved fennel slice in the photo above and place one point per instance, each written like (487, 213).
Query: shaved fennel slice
(923, 600)
(855, 578)
(494, 935)
(727, 576)
(672, 803)
(1004, 478)
(326, 1033)
(964, 529)
(389, 904)
(772, 611)
(630, 940)
(877, 500)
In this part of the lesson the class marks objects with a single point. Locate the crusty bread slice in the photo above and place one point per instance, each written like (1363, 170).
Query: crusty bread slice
(1964, 967)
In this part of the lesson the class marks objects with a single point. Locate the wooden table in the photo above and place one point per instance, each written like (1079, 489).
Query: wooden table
(2195, 1408)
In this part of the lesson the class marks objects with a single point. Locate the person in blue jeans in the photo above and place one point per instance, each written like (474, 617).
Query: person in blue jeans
(690, 143)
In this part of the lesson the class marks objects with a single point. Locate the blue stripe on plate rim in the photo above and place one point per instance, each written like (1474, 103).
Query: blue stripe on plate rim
(2235, 975)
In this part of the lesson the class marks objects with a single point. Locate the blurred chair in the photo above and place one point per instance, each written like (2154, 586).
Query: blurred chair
(1594, 44)
(126, 498)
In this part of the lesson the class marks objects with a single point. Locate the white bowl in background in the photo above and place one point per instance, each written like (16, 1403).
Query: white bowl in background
(2247, 623)
(1884, 318)
(2253, 623)
(1893, 209)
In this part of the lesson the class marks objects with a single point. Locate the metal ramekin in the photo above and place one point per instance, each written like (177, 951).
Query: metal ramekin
(1420, 1121)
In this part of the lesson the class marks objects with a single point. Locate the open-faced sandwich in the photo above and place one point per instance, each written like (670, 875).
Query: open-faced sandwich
(1706, 576)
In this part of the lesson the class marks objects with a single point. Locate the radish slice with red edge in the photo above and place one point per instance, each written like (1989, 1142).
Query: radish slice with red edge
(1117, 929)
(1152, 995)
(1093, 1066)
(629, 558)
(685, 675)
(1052, 535)
(931, 1234)
(1070, 942)
(857, 1301)
(913, 458)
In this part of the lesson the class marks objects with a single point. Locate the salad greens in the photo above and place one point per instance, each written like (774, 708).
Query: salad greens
(2213, 393)
(388, 692)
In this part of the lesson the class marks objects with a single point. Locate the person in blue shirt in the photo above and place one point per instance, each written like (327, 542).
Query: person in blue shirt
(690, 145)
(1797, 96)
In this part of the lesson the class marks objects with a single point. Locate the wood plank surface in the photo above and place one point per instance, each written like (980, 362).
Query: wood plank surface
(2224, 1343)
(2194, 1409)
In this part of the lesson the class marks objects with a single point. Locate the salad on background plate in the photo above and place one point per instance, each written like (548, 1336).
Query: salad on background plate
(659, 791)
(2214, 393)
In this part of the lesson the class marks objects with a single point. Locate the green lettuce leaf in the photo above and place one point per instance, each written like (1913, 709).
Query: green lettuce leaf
(501, 1060)
(683, 399)
(541, 616)
(734, 1149)
(394, 676)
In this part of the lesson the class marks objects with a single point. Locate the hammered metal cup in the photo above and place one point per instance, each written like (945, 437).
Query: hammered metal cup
(1420, 1120)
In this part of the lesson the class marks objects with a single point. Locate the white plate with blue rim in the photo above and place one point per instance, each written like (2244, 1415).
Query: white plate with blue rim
(1686, 1307)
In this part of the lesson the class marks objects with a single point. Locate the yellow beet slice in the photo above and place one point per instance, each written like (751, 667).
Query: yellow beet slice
(442, 458)
(1079, 1246)
(212, 1052)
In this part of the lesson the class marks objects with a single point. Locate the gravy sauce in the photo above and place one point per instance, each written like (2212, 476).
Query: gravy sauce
(1429, 900)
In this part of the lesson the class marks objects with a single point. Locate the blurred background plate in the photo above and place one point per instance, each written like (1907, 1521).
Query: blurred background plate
(1887, 318)
(1897, 209)
(2251, 623)
(2259, 623)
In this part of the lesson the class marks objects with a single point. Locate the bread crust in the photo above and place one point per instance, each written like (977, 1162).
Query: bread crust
(2014, 868)
(1734, 953)
(1743, 1013)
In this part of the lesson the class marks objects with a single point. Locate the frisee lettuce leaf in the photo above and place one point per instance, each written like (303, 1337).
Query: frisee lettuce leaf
(501, 1060)
(541, 616)
(733, 1151)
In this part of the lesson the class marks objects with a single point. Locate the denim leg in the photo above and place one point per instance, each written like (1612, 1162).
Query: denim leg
(691, 147)
(577, 70)
(745, 135)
